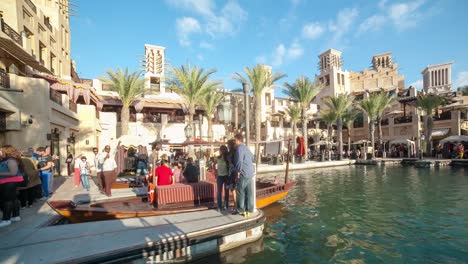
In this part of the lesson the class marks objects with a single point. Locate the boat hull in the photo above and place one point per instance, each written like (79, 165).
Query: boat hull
(137, 207)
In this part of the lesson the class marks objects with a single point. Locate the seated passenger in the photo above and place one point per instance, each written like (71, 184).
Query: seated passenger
(163, 173)
(191, 172)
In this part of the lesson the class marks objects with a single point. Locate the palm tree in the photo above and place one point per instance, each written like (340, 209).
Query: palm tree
(348, 119)
(339, 105)
(370, 107)
(385, 100)
(429, 103)
(129, 86)
(294, 113)
(192, 84)
(210, 102)
(329, 117)
(261, 79)
(303, 91)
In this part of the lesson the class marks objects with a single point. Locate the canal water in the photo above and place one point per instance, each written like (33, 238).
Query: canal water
(360, 214)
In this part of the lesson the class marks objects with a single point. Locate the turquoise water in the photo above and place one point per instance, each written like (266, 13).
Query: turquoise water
(368, 215)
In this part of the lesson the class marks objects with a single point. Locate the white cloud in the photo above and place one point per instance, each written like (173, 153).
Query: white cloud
(312, 30)
(295, 50)
(186, 26)
(282, 53)
(200, 57)
(214, 22)
(462, 79)
(417, 84)
(371, 23)
(405, 15)
(278, 55)
(342, 24)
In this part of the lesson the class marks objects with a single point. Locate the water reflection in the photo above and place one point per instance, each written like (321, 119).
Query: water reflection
(370, 214)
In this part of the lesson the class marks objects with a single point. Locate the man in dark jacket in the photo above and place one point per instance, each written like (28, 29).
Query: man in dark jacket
(191, 172)
(243, 166)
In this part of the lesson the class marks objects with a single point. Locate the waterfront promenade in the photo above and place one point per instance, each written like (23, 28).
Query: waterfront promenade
(34, 240)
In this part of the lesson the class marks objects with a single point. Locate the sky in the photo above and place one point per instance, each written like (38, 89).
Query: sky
(285, 34)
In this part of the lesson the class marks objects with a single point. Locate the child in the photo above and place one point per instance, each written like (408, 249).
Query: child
(84, 172)
(177, 170)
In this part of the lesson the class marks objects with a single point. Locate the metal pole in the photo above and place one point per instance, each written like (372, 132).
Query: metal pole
(247, 113)
(287, 162)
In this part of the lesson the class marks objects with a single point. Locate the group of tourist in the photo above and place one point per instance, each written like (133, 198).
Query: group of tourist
(234, 172)
(233, 169)
(25, 177)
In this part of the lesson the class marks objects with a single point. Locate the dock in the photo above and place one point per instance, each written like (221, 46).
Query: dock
(178, 237)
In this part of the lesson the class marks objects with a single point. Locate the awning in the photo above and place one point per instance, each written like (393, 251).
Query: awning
(454, 139)
(401, 141)
(20, 54)
(440, 132)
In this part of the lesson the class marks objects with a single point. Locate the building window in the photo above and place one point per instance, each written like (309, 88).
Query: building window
(155, 84)
(342, 79)
(338, 76)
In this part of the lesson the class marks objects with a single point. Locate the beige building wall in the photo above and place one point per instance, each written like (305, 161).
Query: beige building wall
(90, 130)
(34, 104)
(44, 29)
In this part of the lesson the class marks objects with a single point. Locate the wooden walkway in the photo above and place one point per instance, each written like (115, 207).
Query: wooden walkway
(100, 241)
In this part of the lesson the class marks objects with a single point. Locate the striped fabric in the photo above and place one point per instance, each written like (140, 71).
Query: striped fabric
(198, 193)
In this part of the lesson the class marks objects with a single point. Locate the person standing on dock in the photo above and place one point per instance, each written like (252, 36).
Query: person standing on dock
(108, 167)
(222, 175)
(243, 165)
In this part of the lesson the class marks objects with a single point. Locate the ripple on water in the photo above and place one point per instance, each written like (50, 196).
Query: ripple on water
(370, 215)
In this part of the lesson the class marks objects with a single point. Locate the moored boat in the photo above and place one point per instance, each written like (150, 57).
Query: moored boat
(267, 193)
(168, 199)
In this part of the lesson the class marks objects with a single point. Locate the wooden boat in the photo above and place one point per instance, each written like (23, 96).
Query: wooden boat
(266, 194)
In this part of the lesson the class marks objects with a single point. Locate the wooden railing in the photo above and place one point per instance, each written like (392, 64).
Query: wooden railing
(444, 116)
(403, 120)
(274, 123)
(4, 80)
(176, 119)
(11, 33)
(150, 118)
(31, 5)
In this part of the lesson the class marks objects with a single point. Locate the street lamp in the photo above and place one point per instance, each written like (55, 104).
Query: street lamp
(225, 113)
(188, 131)
(420, 145)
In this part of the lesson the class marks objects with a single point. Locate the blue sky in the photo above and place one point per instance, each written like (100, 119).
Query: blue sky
(288, 35)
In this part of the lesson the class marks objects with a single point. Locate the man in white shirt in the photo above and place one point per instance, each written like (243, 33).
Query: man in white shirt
(107, 167)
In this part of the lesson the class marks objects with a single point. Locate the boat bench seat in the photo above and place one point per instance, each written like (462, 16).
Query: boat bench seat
(185, 194)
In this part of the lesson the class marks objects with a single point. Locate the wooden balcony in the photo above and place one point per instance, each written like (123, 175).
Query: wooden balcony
(11, 33)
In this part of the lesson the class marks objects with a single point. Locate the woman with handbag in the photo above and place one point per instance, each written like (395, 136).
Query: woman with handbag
(11, 168)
